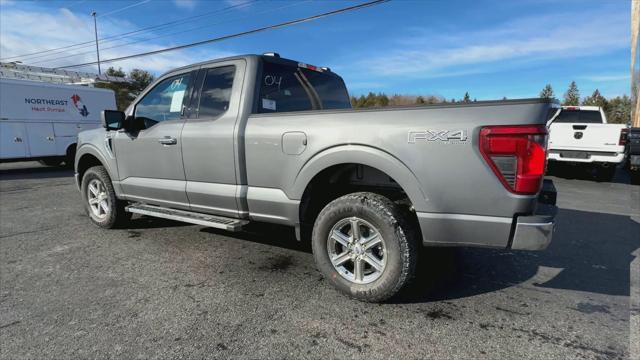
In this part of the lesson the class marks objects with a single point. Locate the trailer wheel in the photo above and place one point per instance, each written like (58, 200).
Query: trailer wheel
(70, 158)
(100, 202)
(365, 246)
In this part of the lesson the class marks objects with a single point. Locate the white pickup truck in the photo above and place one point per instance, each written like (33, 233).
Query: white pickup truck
(580, 135)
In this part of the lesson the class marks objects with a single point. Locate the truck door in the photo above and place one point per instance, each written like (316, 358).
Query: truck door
(148, 153)
(208, 139)
(41, 139)
(13, 140)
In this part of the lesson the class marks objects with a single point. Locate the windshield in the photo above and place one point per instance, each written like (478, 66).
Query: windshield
(579, 116)
(285, 87)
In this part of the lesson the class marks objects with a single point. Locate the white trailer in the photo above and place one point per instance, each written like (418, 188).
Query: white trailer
(41, 121)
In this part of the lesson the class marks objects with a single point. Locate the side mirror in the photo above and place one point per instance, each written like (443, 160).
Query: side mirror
(112, 119)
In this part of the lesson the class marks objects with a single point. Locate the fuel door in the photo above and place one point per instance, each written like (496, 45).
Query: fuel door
(294, 142)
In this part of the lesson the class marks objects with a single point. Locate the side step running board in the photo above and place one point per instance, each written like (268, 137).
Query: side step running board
(213, 221)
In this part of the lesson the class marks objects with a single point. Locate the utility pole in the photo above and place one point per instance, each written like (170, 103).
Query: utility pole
(635, 71)
(95, 28)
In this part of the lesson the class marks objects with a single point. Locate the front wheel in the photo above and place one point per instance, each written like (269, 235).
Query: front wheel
(365, 246)
(100, 201)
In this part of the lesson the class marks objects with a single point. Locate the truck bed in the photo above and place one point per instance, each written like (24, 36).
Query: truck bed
(443, 179)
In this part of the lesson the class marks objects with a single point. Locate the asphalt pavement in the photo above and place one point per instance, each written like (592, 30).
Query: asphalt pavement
(163, 289)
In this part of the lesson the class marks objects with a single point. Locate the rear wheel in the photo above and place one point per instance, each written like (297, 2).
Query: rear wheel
(364, 245)
(100, 201)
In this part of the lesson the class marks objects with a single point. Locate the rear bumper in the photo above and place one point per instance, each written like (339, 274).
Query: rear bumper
(521, 232)
(534, 232)
(592, 156)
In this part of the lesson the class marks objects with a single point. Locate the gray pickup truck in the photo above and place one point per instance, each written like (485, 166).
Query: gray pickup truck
(262, 138)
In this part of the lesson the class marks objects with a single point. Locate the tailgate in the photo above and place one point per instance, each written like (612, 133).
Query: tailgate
(582, 136)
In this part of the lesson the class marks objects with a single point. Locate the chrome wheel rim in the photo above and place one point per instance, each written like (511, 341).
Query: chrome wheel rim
(357, 250)
(98, 199)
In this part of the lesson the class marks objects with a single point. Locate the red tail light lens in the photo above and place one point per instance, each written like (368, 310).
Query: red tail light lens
(517, 155)
(624, 134)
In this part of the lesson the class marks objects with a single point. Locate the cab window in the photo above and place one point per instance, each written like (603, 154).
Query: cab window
(288, 87)
(163, 102)
(216, 91)
(579, 116)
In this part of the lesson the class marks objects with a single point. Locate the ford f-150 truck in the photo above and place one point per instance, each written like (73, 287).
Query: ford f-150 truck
(580, 135)
(262, 138)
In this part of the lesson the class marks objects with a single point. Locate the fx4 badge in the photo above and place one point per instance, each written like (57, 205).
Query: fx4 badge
(445, 136)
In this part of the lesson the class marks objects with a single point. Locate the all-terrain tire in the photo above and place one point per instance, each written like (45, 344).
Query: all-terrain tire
(400, 242)
(116, 216)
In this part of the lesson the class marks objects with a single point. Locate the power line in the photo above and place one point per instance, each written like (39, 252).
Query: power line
(226, 37)
(169, 34)
(111, 38)
(67, 55)
(125, 34)
(124, 8)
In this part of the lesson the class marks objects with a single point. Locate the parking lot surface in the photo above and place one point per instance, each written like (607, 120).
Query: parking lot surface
(164, 289)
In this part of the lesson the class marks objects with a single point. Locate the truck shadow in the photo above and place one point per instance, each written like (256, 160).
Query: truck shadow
(35, 172)
(148, 222)
(268, 234)
(590, 252)
(578, 172)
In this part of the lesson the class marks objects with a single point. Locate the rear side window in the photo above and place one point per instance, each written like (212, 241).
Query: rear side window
(216, 91)
(285, 88)
(579, 116)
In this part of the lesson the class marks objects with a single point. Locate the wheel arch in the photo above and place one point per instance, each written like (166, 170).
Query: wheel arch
(87, 156)
(363, 155)
(329, 176)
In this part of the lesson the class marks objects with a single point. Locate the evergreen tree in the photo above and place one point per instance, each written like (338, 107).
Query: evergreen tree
(370, 100)
(619, 110)
(547, 92)
(572, 96)
(466, 98)
(595, 100)
(382, 100)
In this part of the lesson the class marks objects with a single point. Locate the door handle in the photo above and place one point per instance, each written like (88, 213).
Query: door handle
(168, 140)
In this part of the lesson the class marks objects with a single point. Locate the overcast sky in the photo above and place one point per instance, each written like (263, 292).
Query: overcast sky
(489, 48)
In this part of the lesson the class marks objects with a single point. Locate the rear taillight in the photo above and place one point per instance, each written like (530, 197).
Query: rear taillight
(624, 135)
(516, 154)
